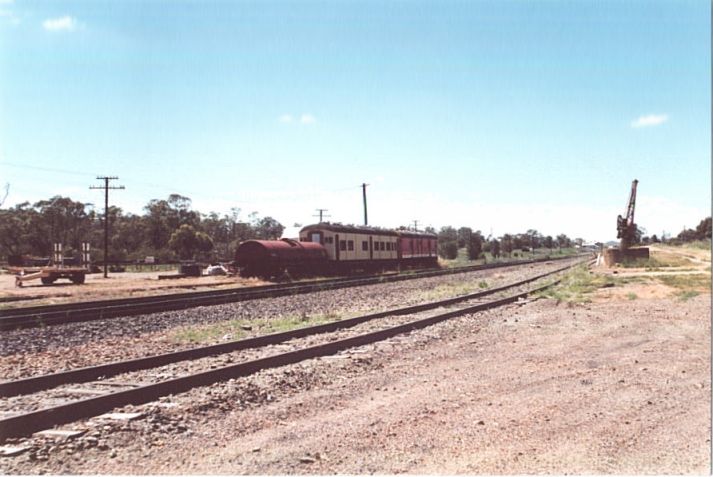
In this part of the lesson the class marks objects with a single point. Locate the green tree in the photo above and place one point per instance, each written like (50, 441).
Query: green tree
(495, 248)
(687, 235)
(475, 245)
(563, 241)
(448, 242)
(534, 238)
(703, 230)
(464, 234)
(548, 242)
(127, 236)
(507, 244)
(186, 242)
(268, 228)
(16, 230)
(164, 216)
(61, 220)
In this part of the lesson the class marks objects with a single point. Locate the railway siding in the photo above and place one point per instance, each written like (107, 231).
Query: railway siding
(52, 406)
(44, 350)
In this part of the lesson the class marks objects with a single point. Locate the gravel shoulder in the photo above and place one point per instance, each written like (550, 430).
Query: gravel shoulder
(589, 389)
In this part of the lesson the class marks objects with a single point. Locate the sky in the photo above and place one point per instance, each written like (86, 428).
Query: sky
(498, 115)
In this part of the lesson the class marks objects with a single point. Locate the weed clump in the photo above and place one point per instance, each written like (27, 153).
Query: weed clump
(576, 285)
(685, 295)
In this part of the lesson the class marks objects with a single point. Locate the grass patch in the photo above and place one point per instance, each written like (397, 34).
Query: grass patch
(579, 283)
(448, 291)
(211, 332)
(656, 262)
(483, 284)
(693, 282)
(685, 295)
(631, 296)
(238, 329)
(699, 244)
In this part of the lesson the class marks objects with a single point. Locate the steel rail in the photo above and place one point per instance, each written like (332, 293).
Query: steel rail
(38, 316)
(47, 381)
(28, 423)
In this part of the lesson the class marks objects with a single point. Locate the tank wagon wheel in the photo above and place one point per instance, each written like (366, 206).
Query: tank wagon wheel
(78, 279)
(47, 280)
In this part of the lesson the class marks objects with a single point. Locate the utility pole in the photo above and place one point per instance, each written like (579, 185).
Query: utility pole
(321, 211)
(106, 188)
(415, 225)
(363, 187)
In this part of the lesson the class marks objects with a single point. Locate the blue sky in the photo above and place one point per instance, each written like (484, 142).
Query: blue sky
(502, 115)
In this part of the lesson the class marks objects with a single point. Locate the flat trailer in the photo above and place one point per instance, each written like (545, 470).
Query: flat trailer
(48, 275)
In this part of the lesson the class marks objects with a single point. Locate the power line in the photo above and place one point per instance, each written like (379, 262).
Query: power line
(106, 188)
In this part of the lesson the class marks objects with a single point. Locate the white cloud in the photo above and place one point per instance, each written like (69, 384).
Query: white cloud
(65, 23)
(285, 118)
(7, 2)
(307, 119)
(649, 120)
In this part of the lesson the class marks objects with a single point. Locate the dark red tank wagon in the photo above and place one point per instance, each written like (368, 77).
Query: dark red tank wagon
(272, 258)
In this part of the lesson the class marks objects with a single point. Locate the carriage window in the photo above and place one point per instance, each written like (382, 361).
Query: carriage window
(330, 239)
(364, 246)
(342, 245)
(383, 246)
(350, 245)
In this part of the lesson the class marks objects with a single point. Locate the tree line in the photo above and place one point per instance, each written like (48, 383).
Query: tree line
(451, 239)
(701, 232)
(167, 230)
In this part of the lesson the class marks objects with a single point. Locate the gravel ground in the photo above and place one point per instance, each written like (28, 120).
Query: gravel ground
(43, 350)
(72, 392)
(617, 387)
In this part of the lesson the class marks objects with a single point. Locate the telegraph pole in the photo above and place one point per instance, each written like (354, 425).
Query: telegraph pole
(321, 211)
(363, 187)
(415, 225)
(106, 188)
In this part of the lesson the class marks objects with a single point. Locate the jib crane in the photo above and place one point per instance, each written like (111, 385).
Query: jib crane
(625, 226)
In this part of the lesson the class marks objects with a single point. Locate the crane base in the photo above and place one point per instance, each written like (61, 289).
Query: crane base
(613, 256)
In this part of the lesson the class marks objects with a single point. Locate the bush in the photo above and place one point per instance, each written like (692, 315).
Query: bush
(448, 250)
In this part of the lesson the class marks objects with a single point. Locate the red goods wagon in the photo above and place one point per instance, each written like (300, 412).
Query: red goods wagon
(418, 249)
(272, 258)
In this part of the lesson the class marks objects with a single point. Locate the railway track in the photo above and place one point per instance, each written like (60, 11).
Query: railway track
(391, 323)
(36, 316)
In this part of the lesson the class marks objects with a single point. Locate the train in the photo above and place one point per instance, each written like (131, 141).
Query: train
(336, 249)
